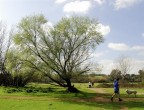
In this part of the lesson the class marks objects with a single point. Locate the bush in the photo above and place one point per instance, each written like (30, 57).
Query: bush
(13, 90)
(5, 79)
(35, 90)
(122, 84)
(102, 80)
(30, 90)
(18, 80)
(104, 85)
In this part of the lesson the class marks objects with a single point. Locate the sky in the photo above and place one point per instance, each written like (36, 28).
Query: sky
(121, 22)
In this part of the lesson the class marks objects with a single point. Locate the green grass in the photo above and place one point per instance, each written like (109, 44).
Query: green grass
(56, 98)
(11, 104)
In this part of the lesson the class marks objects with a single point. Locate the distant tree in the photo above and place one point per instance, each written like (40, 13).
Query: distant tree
(20, 71)
(5, 41)
(141, 74)
(99, 69)
(133, 77)
(124, 64)
(115, 73)
(60, 50)
(128, 77)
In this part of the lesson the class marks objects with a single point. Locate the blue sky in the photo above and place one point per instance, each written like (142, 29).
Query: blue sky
(121, 22)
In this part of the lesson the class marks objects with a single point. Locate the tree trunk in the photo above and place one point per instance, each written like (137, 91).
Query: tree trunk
(71, 88)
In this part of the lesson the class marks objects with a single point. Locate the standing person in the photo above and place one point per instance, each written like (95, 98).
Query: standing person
(92, 84)
(89, 84)
(116, 90)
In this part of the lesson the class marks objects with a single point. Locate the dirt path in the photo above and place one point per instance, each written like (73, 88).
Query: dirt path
(107, 100)
(98, 90)
(124, 108)
(102, 91)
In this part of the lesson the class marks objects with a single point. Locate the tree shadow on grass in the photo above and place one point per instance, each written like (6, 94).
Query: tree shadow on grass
(102, 105)
(138, 105)
(100, 100)
(82, 94)
(106, 105)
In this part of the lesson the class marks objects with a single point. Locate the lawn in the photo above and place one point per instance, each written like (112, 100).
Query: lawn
(50, 97)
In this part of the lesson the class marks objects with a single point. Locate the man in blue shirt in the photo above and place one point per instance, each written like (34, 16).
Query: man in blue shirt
(116, 89)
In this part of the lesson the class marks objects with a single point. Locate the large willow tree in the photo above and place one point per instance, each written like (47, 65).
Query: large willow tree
(59, 52)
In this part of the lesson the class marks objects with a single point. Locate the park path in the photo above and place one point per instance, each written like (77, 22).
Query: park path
(104, 99)
(98, 90)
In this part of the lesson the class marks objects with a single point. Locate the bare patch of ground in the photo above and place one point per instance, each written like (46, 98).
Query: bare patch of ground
(124, 108)
(102, 91)
(98, 90)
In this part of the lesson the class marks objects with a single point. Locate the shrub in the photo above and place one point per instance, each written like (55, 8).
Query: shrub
(104, 85)
(13, 90)
(18, 80)
(102, 80)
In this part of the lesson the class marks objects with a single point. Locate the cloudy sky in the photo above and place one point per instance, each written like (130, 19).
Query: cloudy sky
(121, 22)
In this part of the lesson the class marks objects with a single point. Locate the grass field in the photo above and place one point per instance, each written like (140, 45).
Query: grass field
(49, 97)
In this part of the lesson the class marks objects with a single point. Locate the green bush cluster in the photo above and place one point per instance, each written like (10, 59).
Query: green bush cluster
(29, 90)
(122, 84)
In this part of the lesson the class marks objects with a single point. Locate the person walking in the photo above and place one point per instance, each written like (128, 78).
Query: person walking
(116, 90)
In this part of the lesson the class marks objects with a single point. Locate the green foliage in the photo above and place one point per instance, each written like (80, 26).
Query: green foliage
(29, 90)
(141, 74)
(115, 73)
(28, 28)
(39, 90)
(13, 90)
(93, 78)
(122, 85)
(19, 70)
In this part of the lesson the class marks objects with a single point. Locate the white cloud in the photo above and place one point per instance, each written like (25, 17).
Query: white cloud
(104, 29)
(97, 54)
(138, 48)
(125, 47)
(50, 24)
(137, 64)
(108, 65)
(77, 7)
(141, 53)
(143, 35)
(118, 46)
(100, 2)
(60, 1)
(47, 26)
(120, 4)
